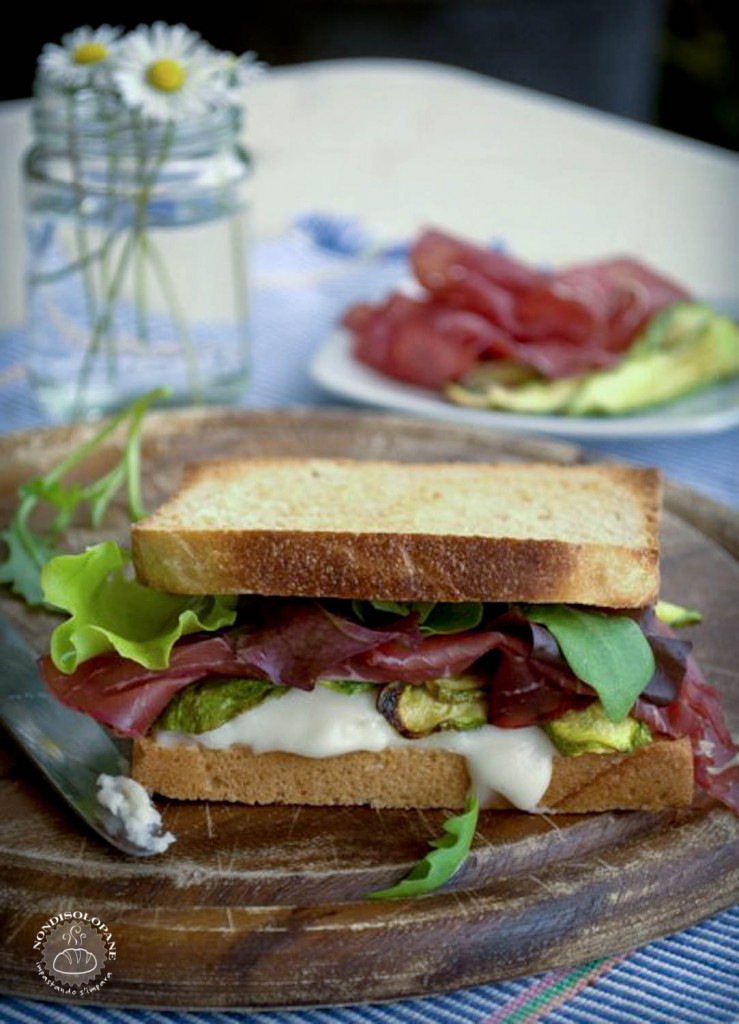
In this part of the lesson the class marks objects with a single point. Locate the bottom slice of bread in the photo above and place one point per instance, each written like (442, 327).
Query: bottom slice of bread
(655, 776)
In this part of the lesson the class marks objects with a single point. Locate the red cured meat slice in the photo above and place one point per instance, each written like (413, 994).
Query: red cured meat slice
(422, 343)
(697, 713)
(482, 304)
(436, 258)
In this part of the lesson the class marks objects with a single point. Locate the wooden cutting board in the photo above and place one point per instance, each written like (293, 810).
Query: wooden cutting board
(263, 907)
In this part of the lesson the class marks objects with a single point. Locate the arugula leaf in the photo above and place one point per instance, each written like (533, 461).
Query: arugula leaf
(434, 617)
(111, 613)
(399, 608)
(442, 862)
(29, 550)
(445, 618)
(609, 652)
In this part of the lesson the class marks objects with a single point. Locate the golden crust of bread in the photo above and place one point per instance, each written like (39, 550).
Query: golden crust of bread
(395, 531)
(653, 777)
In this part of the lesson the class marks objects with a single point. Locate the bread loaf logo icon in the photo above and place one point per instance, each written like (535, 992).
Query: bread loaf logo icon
(76, 949)
(75, 959)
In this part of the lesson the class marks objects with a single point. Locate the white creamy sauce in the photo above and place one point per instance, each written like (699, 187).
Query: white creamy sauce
(516, 763)
(130, 804)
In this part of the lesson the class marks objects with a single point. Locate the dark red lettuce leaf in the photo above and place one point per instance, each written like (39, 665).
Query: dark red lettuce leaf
(302, 641)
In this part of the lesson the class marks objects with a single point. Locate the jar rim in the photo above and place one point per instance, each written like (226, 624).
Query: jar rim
(98, 122)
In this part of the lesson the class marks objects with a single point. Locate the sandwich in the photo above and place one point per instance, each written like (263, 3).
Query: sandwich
(322, 631)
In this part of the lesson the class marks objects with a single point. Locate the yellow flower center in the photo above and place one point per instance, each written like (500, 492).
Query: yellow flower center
(90, 53)
(166, 75)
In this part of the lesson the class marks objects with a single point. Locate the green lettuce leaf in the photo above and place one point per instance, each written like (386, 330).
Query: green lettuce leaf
(109, 612)
(609, 652)
(442, 862)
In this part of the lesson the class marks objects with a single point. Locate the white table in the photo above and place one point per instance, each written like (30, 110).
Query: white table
(401, 144)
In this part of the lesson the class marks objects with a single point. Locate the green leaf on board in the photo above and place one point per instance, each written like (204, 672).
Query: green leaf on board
(28, 548)
(446, 857)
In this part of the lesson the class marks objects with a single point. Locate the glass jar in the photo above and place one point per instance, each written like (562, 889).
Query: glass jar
(137, 257)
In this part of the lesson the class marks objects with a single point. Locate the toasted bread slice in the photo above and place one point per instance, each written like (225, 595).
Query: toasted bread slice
(407, 532)
(655, 776)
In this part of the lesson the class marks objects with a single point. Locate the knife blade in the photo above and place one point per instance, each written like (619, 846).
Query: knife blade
(70, 749)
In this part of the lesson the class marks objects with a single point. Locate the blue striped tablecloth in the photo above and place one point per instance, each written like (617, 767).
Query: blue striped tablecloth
(302, 281)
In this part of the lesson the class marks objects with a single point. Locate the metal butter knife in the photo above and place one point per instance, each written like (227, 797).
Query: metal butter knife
(70, 748)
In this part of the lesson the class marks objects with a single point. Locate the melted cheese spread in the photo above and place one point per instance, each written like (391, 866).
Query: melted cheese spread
(130, 804)
(515, 763)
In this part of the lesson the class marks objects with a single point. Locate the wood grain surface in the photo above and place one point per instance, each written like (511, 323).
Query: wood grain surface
(263, 907)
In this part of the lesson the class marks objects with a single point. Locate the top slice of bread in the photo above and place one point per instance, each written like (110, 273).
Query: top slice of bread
(408, 532)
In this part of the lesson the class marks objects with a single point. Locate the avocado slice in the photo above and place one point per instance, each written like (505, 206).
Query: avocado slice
(456, 689)
(687, 346)
(204, 706)
(415, 712)
(532, 395)
(347, 686)
(590, 731)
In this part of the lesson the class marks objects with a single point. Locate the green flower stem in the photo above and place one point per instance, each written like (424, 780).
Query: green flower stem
(102, 324)
(80, 229)
(105, 252)
(236, 228)
(178, 316)
(137, 237)
(91, 257)
(238, 261)
(139, 285)
(140, 223)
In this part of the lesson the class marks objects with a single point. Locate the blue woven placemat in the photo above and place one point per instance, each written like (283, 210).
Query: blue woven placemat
(689, 978)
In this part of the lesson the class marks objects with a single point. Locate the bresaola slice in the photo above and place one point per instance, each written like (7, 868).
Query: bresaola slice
(127, 697)
(394, 338)
(697, 714)
(477, 304)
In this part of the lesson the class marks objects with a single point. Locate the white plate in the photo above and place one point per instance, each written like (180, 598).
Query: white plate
(334, 368)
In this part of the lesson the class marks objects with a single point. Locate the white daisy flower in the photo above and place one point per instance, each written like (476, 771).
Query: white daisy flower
(245, 69)
(235, 74)
(167, 72)
(83, 59)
